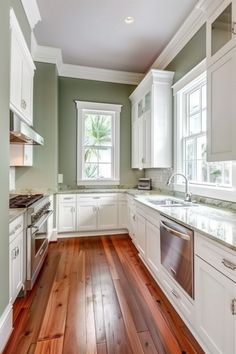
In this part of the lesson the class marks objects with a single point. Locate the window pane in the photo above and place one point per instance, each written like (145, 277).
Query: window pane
(98, 129)
(189, 170)
(195, 124)
(104, 155)
(204, 96)
(189, 154)
(202, 171)
(194, 102)
(201, 148)
(104, 170)
(215, 173)
(204, 120)
(91, 155)
(91, 170)
(227, 173)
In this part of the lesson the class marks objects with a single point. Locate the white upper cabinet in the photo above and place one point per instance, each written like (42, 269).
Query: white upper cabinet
(152, 121)
(21, 75)
(221, 31)
(221, 83)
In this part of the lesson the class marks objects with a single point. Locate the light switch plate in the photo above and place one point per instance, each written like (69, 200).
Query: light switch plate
(60, 178)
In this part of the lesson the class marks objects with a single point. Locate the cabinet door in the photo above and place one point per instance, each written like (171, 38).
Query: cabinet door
(16, 266)
(87, 216)
(107, 215)
(141, 234)
(147, 139)
(221, 111)
(16, 73)
(215, 321)
(135, 145)
(153, 247)
(27, 92)
(67, 217)
(123, 215)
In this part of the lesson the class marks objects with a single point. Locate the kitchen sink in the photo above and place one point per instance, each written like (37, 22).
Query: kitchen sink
(170, 202)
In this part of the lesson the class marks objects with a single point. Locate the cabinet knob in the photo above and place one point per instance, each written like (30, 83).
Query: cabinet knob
(233, 307)
(233, 27)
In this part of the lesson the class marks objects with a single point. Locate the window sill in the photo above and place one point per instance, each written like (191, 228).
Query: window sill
(228, 194)
(98, 182)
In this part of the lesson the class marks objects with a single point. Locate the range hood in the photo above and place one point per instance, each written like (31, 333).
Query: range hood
(22, 133)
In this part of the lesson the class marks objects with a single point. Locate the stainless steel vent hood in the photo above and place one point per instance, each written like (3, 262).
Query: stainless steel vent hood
(22, 133)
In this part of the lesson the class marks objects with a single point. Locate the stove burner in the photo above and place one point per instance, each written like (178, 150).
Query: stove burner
(24, 201)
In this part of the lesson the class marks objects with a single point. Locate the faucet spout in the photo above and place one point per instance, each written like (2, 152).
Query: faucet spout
(187, 193)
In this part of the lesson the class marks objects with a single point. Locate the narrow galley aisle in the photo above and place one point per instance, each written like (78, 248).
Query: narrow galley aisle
(94, 295)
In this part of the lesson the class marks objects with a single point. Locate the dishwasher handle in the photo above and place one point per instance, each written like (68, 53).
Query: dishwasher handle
(174, 232)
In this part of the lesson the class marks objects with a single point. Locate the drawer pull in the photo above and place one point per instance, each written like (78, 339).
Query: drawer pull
(175, 294)
(229, 264)
(233, 307)
(67, 198)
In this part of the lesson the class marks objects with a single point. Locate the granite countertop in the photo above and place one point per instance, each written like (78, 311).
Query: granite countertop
(14, 213)
(217, 224)
(131, 191)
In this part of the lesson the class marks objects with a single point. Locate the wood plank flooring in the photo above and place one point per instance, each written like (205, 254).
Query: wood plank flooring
(94, 296)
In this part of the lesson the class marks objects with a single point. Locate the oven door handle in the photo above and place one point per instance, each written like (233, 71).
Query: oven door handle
(44, 217)
(175, 232)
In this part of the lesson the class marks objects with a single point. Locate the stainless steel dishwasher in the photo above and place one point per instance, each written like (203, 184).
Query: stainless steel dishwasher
(177, 253)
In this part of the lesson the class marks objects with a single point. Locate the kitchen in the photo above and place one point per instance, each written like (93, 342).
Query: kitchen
(107, 124)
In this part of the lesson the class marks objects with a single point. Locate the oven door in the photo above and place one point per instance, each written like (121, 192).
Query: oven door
(177, 253)
(37, 246)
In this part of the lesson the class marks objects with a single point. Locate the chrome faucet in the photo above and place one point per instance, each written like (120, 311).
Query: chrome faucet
(187, 193)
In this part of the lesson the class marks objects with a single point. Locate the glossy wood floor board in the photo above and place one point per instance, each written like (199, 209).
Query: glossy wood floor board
(94, 296)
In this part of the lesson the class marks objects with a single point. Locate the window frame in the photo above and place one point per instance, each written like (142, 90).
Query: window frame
(106, 108)
(185, 84)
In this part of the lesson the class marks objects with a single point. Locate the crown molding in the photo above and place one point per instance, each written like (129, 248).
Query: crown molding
(54, 56)
(195, 20)
(32, 12)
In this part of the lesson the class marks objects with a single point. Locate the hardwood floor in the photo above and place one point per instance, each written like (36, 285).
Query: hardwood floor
(94, 295)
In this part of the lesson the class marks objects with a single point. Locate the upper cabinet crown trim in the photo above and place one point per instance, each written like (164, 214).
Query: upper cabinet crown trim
(32, 12)
(15, 27)
(195, 20)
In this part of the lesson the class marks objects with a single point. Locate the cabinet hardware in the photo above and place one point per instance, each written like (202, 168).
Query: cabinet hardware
(233, 27)
(229, 264)
(175, 293)
(96, 197)
(67, 198)
(233, 307)
(94, 209)
(23, 104)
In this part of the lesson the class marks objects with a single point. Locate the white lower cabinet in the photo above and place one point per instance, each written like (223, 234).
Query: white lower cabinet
(141, 234)
(16, 266)
(153, 247)
(123, 215)
(67, 217)
(107, 214)
(215, 308)
(86, 216)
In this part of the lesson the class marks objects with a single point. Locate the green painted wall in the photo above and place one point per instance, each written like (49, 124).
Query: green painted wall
(4, 136)
(4, 153)
(43, 174)
(192, 54)
(97, 91)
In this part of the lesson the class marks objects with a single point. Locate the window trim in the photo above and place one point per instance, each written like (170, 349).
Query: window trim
(115, 109)
(185, 84)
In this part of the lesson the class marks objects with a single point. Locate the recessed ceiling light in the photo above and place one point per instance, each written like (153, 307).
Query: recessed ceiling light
(129, 20)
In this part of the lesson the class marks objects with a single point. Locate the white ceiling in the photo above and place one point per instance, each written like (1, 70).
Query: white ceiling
(93, 32)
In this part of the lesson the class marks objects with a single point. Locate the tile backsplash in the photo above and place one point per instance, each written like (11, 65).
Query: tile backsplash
(159, 177)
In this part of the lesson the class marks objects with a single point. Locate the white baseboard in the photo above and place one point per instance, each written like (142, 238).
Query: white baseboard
(92, 233)
(5, 326)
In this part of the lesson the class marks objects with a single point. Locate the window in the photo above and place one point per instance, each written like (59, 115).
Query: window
(98, 143)
(194, 140)
(213, 179)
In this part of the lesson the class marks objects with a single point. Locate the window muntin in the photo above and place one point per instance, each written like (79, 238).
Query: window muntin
(194, 145)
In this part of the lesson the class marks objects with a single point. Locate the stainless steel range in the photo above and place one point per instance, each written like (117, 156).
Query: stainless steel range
(38, 212)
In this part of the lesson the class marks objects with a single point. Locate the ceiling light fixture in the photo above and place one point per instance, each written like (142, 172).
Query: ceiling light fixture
(129, 20)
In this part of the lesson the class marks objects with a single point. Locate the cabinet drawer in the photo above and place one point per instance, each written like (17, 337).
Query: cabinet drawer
(64, 198)
(16, 227)
(177, 296)
(219, 257)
